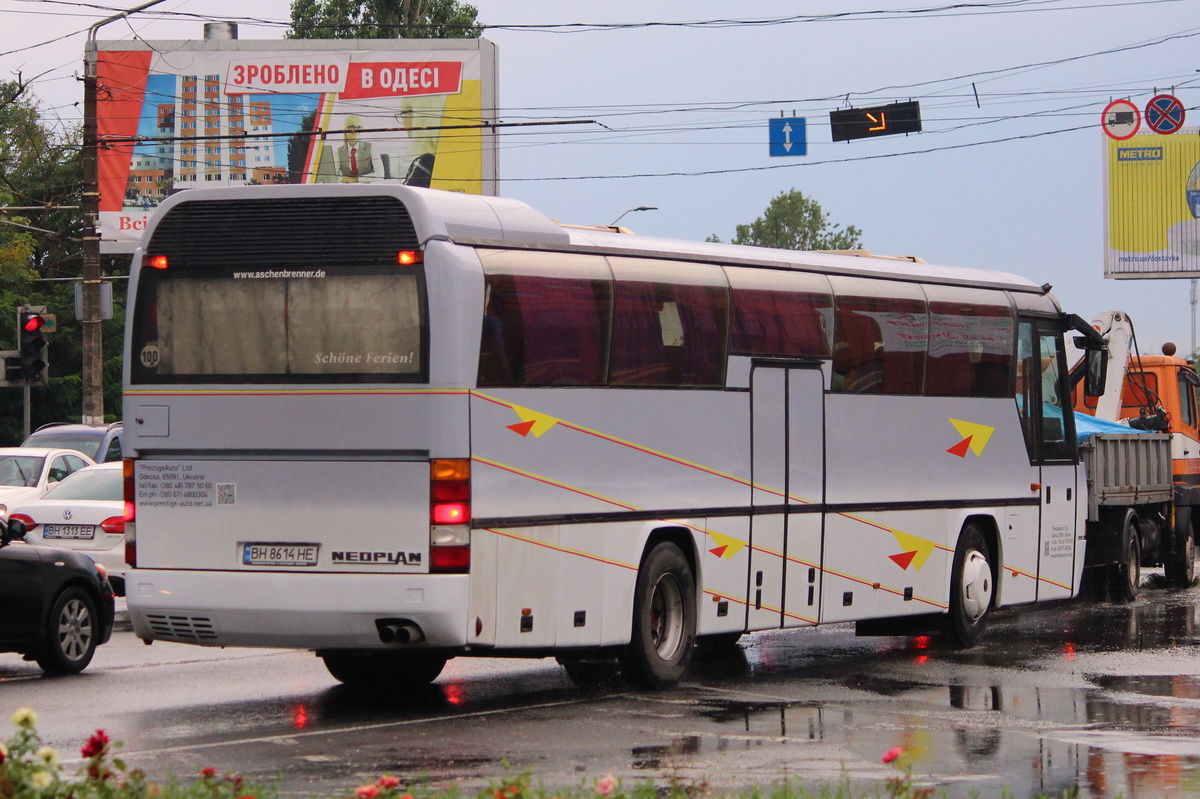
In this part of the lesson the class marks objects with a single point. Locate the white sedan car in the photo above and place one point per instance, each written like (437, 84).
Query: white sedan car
(28, 472)
(85, 512)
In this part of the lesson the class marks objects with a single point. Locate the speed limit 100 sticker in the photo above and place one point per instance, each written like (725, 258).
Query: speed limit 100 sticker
(149, 356)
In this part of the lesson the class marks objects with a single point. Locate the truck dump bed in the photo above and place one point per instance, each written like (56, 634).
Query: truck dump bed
(1126, 469)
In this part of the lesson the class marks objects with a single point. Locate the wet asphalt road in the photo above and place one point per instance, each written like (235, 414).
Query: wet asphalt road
(1105, 697)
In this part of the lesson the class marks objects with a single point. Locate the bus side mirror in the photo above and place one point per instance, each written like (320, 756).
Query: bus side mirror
(1097, 373)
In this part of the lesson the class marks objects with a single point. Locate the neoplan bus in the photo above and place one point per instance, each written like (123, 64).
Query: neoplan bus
(395, 426)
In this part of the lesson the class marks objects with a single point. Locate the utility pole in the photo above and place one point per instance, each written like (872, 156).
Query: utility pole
(93, 349)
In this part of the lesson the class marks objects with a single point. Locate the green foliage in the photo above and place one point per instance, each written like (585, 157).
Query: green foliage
(383, 19)
(31, 770)
(795, 222)
(41, 167)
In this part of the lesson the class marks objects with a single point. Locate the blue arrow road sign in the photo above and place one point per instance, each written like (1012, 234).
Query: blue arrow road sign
(787, 136)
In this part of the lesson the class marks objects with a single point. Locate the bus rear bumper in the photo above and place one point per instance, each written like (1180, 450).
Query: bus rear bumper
(296, 611)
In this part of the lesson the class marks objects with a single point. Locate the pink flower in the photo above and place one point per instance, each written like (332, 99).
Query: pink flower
(366, 792)
(606, 785)
(892, 754)
(388, 781)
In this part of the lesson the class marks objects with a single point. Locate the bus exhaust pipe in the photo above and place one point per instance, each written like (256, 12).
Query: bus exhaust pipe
(399, 632)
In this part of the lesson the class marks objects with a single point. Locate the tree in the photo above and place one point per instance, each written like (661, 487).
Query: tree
(383, 19)
(795, 222)
(41, 259)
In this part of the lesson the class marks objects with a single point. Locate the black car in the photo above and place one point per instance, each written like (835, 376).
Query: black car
(58, 604)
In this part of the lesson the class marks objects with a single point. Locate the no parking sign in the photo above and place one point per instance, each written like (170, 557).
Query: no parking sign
(1164, 114)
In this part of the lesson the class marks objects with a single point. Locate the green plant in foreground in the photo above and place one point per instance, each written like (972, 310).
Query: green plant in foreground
(29, 769)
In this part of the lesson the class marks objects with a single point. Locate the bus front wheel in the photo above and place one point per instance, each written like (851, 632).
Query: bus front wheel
(664, 620)
(972, 585)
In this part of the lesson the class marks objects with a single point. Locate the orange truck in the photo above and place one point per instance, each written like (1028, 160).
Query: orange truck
(1135, 521)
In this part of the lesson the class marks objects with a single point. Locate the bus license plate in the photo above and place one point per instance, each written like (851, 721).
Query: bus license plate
(73, 531)
(280, 554)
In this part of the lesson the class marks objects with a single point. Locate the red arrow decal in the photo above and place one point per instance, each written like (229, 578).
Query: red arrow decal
(904, 559)
(719, 551)
(960, 449)
(522, 428)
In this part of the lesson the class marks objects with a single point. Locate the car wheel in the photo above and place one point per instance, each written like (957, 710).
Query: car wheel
(71, 633)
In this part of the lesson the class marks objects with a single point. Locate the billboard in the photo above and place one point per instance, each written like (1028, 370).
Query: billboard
(1152, 199)
(174, 115)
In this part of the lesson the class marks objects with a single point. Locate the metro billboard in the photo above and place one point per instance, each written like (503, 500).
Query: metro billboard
(1152, 206)
(173, 115)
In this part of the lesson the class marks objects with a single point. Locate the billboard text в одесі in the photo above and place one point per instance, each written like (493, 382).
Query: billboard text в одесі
(239, 112)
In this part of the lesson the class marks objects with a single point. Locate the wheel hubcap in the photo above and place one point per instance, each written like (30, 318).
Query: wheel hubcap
(666, 617)
(976, 585)
(74, 630)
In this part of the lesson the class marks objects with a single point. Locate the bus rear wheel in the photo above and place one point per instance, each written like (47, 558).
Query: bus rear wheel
(664, 620)
(972, 586)
(384, 669)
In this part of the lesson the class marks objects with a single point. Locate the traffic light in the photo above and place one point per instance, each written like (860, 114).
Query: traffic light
(880, 120)
(32, 327)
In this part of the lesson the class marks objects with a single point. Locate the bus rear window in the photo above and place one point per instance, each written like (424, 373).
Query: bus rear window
(311, 310)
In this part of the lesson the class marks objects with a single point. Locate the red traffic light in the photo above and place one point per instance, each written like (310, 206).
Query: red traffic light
(34, 323)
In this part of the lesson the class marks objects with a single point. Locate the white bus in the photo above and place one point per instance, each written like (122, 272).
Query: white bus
(395, 426)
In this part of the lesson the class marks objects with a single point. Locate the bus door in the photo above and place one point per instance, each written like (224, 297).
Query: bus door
(788, 470)
(1043, 398)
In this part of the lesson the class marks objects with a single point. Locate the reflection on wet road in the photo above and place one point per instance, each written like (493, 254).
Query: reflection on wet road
(1104, 697)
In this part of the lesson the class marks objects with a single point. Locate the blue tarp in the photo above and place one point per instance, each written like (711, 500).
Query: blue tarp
(1087, 425)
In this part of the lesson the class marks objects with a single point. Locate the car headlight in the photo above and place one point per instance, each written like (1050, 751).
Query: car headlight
(3, 511)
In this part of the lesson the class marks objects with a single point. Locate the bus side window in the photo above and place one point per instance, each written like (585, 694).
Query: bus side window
(970, 343)
(781, 314)
(545, 321)
(668, 333)
(881, 336)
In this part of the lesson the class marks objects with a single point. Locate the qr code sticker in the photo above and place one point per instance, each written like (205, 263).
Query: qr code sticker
(226, 493)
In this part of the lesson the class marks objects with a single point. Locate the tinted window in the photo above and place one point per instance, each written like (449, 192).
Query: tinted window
(545, 320)
(777, 313)
(971, 334)
(881, 333)
(670, 324)
(113, 453)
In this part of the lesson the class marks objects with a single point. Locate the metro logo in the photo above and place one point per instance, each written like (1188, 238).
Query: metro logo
(380, 79)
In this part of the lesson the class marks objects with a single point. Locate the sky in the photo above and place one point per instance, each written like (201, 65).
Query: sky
(1006, 174)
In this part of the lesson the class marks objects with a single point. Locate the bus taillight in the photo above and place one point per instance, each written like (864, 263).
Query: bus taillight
(154, 261)
(450, 515)
(409, 257)
(130, 512)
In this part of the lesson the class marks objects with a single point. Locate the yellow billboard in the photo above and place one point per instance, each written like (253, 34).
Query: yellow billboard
(1152, 199)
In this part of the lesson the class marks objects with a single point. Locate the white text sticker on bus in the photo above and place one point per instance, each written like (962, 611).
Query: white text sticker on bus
(149, 356)
(178, 485)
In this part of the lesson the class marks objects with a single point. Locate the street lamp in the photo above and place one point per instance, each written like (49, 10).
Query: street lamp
(631, 210)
